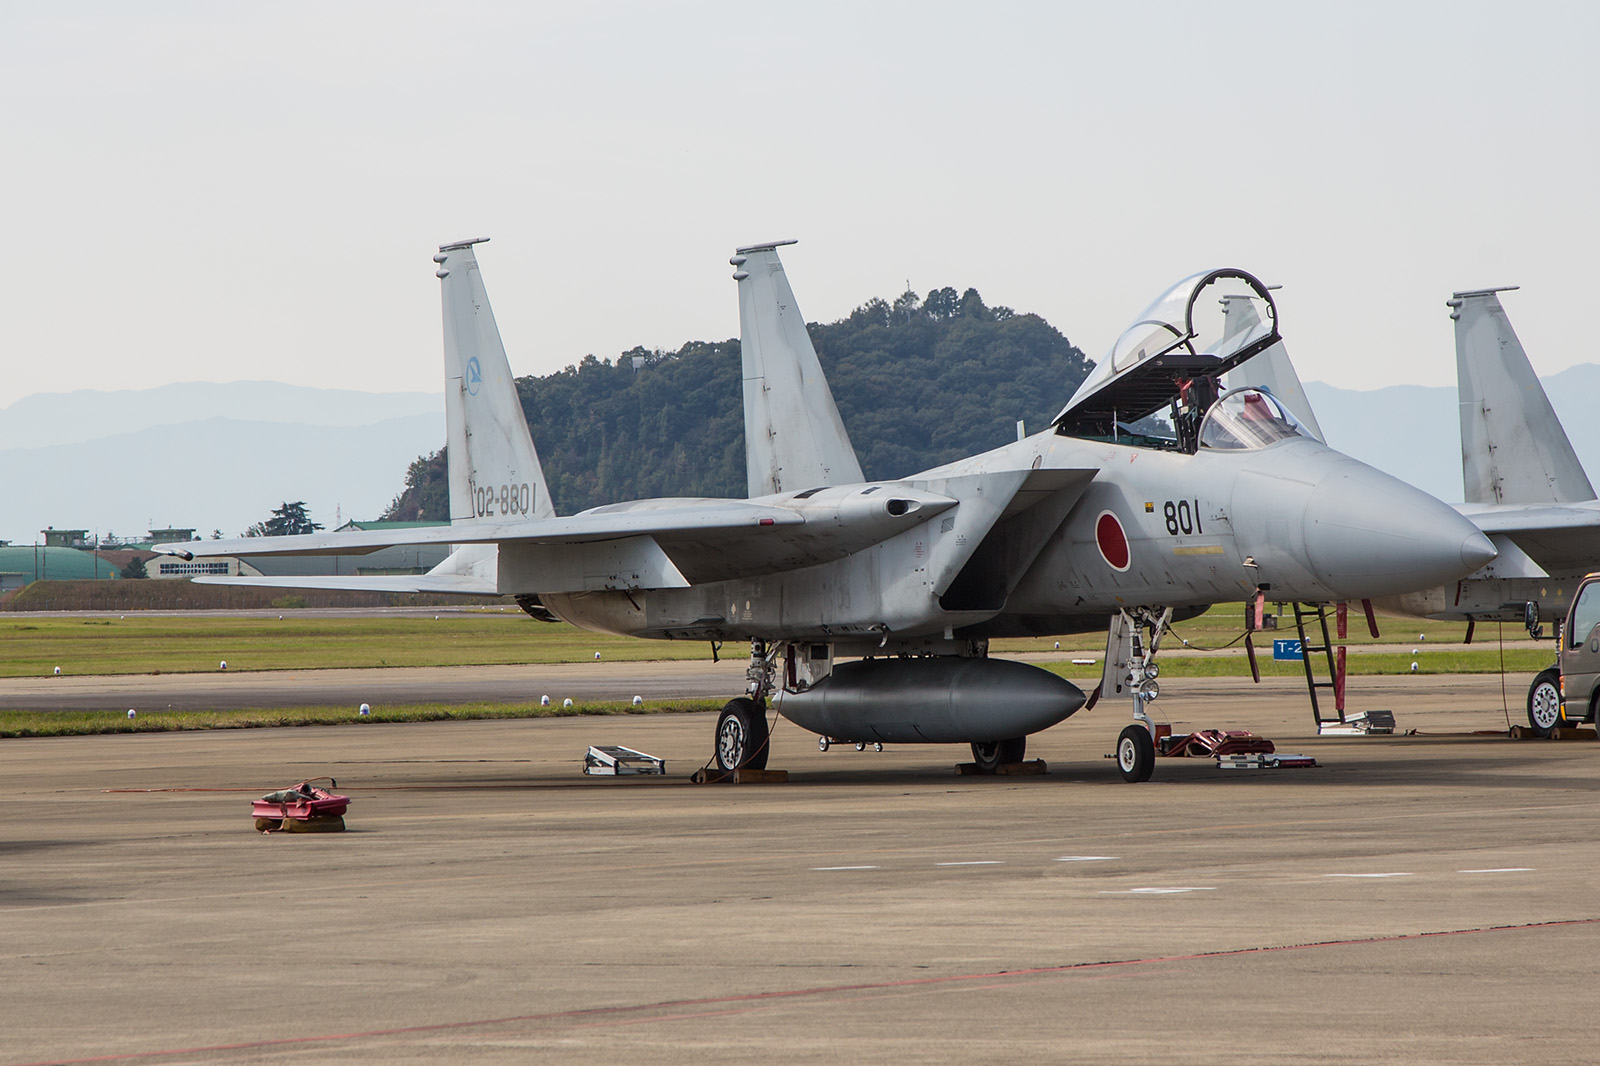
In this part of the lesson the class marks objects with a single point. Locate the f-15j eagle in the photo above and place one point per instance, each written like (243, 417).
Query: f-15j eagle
(868, 605)
(1522, 481)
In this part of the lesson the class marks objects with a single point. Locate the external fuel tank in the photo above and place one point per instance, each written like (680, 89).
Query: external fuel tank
(933, 700)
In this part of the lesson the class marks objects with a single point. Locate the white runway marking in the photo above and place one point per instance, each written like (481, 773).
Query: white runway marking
(1367, 875)
(844, 867)
(1176, 890)
(1087, 858)
(972, 862)
(1500, 870)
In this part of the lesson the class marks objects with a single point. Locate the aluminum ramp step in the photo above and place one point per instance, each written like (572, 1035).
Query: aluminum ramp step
(612, 760)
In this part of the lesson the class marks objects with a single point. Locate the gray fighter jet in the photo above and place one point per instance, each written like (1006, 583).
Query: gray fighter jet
(1525, 487)
(868, 605)
(1521, 479)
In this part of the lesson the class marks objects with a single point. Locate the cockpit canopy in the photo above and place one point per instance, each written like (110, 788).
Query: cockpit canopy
(1200, 328)
(1246, 419)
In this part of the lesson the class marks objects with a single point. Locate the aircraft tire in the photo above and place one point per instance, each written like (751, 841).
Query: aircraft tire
(989, 756)
(742, 736)
(1544, 702)
(1136, 754)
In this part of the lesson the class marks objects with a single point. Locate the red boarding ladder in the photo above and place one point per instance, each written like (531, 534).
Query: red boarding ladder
(1335, 658)
(1304, 613)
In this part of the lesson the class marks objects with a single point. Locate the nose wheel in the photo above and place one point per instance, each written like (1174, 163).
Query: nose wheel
(1136, 753)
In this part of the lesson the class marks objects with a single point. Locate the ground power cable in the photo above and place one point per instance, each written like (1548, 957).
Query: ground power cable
(1505, 703)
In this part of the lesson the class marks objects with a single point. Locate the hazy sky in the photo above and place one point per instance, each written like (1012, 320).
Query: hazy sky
(226, 191)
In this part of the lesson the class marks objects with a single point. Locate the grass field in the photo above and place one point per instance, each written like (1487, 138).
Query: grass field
(142, 644)
(83, 723)
(145, 643)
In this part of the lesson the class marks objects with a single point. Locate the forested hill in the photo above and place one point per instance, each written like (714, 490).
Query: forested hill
(918, 383)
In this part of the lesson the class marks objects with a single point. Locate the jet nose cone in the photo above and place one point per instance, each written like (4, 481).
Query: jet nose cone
(1478, 551)
(1369, 534)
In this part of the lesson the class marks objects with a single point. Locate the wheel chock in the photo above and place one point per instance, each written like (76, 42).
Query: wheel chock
(1031, 768)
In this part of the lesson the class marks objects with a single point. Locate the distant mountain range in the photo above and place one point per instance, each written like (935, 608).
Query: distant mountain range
(205, 455)
(222, 456)
(1414, 431)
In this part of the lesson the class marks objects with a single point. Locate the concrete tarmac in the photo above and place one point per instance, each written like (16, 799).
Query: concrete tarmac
(1416, 899)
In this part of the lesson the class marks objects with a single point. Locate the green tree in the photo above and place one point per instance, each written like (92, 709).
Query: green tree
(288, 520)
(427, 491)
(917, 384)
(134, 568)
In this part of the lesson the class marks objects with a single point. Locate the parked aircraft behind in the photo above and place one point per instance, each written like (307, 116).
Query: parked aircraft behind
(1084, 525)
(1522, 482)
(1524, 486)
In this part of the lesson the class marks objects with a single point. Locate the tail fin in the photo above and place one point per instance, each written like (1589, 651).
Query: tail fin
(1513, 449)
(494, 470)
(1270, 369)
(793, 436)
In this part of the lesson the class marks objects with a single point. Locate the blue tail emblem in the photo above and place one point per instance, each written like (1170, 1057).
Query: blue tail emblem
(474, 376)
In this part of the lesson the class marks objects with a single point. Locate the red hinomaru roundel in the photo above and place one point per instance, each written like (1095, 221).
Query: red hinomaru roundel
(1111, 540)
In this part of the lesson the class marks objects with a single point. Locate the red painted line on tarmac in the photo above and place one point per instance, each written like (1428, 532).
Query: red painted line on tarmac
(823, 990)
(362, 788)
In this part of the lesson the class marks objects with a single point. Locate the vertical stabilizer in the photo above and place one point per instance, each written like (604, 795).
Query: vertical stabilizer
(793, 436)
(1513, 449)
(494, 470)
(1271, 369)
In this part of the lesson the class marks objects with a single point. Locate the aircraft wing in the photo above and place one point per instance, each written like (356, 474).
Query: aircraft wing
(1558, 537)
(704, 517)
(452, 584)
(645, 544)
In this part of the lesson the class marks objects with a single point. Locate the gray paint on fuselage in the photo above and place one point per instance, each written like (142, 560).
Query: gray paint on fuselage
(874, 591)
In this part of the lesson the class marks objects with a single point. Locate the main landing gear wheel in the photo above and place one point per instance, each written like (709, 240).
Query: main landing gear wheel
(742, 736)
(990, 755)
(1136, 753)
(1544, 702)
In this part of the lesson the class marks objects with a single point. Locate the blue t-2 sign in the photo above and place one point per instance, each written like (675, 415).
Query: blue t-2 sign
(1287, 649)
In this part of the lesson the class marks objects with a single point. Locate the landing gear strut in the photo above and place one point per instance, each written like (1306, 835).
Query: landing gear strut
(1131, 671)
